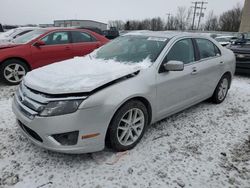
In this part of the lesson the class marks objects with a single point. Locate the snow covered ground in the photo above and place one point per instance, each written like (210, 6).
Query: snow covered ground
(205, 146)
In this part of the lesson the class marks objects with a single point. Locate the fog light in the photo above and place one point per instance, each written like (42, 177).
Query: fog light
(67, 139)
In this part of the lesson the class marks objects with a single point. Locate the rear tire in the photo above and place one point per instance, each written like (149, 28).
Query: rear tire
(12, 71)
(221, 90)
(127, 126)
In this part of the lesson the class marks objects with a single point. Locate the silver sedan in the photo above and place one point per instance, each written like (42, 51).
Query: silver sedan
(109, 97)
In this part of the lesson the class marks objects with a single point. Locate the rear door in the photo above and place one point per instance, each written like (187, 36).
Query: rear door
(57, 48)
(83, 43)
(210, 66)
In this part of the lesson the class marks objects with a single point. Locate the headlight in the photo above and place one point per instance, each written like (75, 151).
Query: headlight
(57, 108)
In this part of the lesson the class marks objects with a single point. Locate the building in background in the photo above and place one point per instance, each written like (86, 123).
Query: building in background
(46, 25)
(80, 23)
(245, 20)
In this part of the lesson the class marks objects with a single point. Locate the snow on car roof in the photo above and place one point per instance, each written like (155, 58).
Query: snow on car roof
(224, 37)
(163, 34)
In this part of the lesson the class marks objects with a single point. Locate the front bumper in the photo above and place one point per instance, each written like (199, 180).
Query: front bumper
(87, 121)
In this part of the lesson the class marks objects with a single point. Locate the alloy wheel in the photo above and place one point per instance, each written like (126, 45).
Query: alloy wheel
(223, 89)
(14, 73)
(130, 126)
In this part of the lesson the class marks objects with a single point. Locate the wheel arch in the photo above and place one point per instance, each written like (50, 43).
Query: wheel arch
(230, 77)
(139, 98)
(20, 59)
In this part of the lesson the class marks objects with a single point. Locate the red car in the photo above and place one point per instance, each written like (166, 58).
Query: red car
(42, 47)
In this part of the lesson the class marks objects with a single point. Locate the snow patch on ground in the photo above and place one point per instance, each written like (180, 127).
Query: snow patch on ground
(204, 146)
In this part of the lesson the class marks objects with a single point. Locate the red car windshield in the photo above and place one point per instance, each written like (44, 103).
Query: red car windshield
(29, 36)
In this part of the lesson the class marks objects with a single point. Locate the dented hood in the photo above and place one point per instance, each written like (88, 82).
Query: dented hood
(81, 74)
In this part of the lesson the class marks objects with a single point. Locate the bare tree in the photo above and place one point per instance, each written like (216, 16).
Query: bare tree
(127, 26)
(171, 23)
(230, 20)
(212, 23)
(119, 24)
(182, 19)
(157, 24)
(146, 24)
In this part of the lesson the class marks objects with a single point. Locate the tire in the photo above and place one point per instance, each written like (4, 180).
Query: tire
(119, 131)
(221, 90)
(12, 71)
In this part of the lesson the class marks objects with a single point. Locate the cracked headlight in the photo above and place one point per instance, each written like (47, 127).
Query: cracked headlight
(57, 108)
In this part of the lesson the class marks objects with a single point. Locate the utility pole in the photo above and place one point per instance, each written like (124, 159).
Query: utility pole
(201, 13)
(168, 14)
(195, 8)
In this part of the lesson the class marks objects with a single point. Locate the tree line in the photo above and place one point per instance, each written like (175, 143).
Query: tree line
(227, 21)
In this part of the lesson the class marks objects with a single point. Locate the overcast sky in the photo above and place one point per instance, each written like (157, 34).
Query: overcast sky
(45, 11)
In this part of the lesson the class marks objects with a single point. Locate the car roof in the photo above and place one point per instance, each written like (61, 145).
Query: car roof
(224, 37)
(62, 29)
(165, 34)
(27, 28)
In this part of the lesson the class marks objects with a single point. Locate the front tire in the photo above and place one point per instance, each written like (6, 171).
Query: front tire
(221, 90)
(128, 126)
(12, 71)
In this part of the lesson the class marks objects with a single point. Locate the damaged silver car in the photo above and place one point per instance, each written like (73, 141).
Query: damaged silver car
(109, 97)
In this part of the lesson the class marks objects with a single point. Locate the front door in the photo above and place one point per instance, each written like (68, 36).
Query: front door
(57, 48)
(177, 89)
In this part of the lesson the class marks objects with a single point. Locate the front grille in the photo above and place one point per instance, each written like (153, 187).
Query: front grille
(30, 132)
(31, 103)
(26, 97)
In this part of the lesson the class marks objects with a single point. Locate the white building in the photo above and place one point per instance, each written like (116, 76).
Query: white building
(80, 23)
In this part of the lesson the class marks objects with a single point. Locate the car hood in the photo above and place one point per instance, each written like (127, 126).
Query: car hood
(4, 37)
(78, 75)
(224, 43)
(8, 45)
(239, 49)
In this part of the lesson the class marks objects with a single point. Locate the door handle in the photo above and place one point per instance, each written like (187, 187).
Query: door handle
(222, 62)
(67, 48)
(194, 72)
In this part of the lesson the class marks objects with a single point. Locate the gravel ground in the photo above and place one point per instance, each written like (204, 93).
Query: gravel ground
(204, 146)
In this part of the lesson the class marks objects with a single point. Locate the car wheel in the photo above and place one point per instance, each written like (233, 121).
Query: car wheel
(12, 71)
(128, 125)
(221, 90)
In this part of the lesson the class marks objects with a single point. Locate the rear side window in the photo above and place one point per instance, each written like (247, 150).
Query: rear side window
(182, 51)
(207, 49)
(22, 33)
(81, 37)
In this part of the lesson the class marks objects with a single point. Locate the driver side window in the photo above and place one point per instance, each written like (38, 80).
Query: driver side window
(183, 51)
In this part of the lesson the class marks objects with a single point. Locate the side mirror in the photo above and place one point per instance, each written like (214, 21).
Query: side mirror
(39, 43)
(173, 66)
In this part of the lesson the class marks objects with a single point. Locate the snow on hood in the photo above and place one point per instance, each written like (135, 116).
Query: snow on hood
(81, 74)
(4, 38)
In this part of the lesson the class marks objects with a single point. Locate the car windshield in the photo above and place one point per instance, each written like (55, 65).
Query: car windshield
(132, 48)
(29, 36)
(10, 33)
